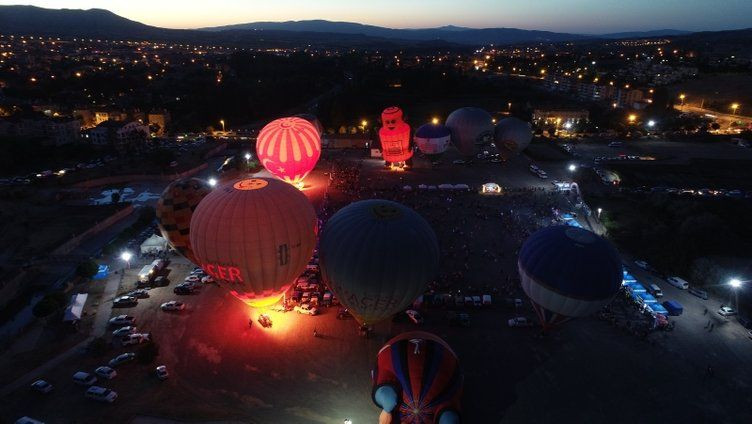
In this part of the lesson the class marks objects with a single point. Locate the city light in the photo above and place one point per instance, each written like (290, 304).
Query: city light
(632, 118)
(363, 123)
(735, 283)
(126, 256)
(734, 107)
(435, 121)
(651, 123)
(568, 125)
(247, 156)
(599, 212)
(212, 182)
(572, 167)
(222, 122)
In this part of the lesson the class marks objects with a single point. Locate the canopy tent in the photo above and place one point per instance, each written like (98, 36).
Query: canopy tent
(154, 244)
(490, 188)
(646, 298)
(635, 287)
(76, 307)
(656, 308)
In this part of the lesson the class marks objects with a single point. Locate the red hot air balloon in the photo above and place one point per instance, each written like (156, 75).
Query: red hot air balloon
(174, 210)
(289, 148)
(417, 380)
(394, 136)
(255, 236)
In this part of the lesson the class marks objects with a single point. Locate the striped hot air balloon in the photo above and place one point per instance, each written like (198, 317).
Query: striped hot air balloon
(174, 210)
(289, 148)
(417, 379)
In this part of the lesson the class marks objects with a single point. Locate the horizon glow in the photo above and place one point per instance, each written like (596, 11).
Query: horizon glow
(574, 16)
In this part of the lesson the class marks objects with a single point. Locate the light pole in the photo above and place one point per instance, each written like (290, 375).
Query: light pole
(572, 167)
(126, 257)
(599, 212)
(222, 121)
(734, 107)
(247, 160)
(736, 284)
(682, 97)
(435, 121)
(212, 182)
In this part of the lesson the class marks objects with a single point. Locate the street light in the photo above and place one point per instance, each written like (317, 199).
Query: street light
(212, 182)
(568, 125)
(435, 121)
(126, 257)
(734, 107)
(651, 123)
(599, 213)
(682, 97)
(247, 156)
(632, 118)
(572, 167)
(736, 284)
(222, 121)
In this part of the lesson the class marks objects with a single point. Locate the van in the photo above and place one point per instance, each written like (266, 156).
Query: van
(84, 378)
(655, 290)
(146, 273)
(486, 300)
(702, 294)
(678, 283)
(101, 394)
(158, 265)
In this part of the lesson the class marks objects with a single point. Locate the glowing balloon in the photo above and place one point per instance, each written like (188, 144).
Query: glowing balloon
(394, 136)
(377, 256)
(289, 148)
(568, 272)
(432, 139)
(255, 236)
(174, 210)
(417, 380)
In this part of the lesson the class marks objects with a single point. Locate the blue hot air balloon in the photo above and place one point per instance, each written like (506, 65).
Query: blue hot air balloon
(470, 126)
(568, 272)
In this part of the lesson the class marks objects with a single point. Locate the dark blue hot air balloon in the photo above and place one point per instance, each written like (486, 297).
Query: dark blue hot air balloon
(568, 272)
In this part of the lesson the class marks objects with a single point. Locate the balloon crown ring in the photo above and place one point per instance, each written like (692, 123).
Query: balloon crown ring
(250, 184)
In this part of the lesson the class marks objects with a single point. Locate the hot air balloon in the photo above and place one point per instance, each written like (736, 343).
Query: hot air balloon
(394, 136)
(512, 135)
(377, 256)
(289, 148)
(432, 139)
(256, 236)
(174, 210)
(313, 120)
(470, 126)
(417, 380)
(568, 272)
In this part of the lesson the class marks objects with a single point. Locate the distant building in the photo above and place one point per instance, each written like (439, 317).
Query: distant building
(158, 122)
(121, 135)
(543, 117)
(55, 131)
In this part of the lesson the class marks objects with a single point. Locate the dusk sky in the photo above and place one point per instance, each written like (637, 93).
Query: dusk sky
(577, 16)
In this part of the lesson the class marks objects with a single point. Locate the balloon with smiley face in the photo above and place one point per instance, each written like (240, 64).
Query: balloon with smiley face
(394, 136)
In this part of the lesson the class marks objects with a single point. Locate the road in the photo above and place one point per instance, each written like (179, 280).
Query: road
(725, 119)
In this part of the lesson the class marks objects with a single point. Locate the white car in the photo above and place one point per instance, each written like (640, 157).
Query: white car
(173, 305)
(161, 372)
(519, 322)
(122, 320)
(124, 331)
(726, 311)
(41, 386)
(207, 279)
(101, 394)
(414, 316)
(307, 309)
(192, 279)
(105, 372)
(135, 338)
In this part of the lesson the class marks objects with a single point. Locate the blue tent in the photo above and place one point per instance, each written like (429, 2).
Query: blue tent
(636, 287)
(102, 272)
(628, 278)
(657, 308)
(647, 298)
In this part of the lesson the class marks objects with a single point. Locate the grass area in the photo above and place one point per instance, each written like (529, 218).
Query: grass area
(698, 173)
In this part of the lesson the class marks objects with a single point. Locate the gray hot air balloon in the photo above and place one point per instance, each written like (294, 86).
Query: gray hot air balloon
(470, 126)
(377, 256)
(512, 135)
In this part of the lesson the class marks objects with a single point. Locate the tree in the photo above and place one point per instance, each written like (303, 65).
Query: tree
(87, 269)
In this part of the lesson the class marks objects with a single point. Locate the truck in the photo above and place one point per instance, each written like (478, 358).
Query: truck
(673, 307)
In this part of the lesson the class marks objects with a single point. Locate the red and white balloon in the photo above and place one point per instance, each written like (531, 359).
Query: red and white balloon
(289, 148)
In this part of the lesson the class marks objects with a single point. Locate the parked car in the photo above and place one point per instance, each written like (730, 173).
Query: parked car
(124, 331)
(208, 279)
(183, 289)
(125, 301)
(121, 320)
(655, 290)
(519, 322)
(101, 394)
(644, 265)
(306, 309)
(139, 293)
(702, 294)
(121, 359)
(135, 338)
(726, 311)
(41, 386)
(344, 313)
(161, 281)
(161, 372)
(678, 283)
(414, 316)
(173, 305)
(105, 372)
(192, 279)
(84, 378)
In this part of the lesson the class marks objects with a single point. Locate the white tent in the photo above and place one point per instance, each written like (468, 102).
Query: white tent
(446, 186)
(491, 188)
(153, 244)
(461, 187)
(76, 307)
